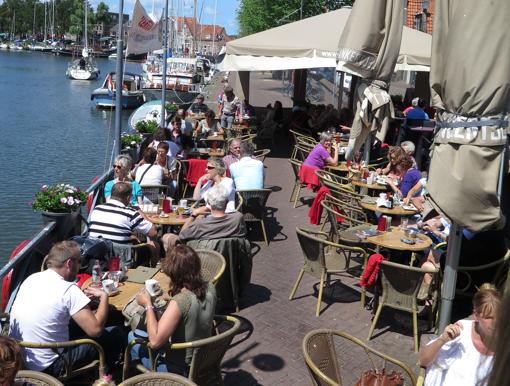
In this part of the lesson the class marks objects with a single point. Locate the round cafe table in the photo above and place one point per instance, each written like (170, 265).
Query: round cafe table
(341, 167)
(374, 186)
(173, 219)
(392, 239)
(397, 210)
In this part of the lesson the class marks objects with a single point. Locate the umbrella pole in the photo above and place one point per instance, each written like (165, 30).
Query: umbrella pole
(367, 147)
(450, 276)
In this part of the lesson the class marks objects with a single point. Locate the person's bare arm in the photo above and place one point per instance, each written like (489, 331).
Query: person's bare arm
(93, 323)
(429, 352)
(196, 192)
(333, 161)
(415, 189)
(159, 332)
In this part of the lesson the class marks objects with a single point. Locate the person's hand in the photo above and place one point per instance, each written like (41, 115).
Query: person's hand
(451, 332)
(406, 200)
(95, 292)
(143, 298)
(206, 176)
(378, 171)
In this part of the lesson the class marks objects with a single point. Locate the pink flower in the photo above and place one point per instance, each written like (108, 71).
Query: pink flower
(63, 200)
(44, 188)
(70, 201)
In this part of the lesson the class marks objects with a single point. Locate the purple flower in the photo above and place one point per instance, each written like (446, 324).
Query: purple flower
(44, 188)
(70, 201)
(63, 200)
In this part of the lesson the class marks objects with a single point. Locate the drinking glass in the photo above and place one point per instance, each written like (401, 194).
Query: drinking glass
(403, 222)
(181, 210)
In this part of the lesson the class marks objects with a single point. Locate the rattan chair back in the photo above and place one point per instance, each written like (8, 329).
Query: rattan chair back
(400, 286)
(313, 249)
(212, 265)
(327, 178)
(207, 353)
(61, 348)
(254, 203)
(152, 192)
(261, 154)
(157, 379)
(35, 378)
(335, 358)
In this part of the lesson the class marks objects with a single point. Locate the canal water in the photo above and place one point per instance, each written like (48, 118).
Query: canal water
(50, 131)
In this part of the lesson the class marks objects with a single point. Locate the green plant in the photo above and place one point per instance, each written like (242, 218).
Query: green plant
(60, 198)
(130, 140)
(171, 107)
(149, 127)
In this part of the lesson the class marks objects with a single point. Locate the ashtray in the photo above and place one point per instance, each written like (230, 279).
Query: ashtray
(408, 241)
(163, 215)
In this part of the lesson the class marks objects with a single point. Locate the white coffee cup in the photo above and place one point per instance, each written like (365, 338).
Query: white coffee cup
(384, 196)
(183, 203)
(152, 287)
(109, 286)
(370, 179)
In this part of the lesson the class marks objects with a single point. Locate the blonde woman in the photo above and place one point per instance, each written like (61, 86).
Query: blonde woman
(463, 353)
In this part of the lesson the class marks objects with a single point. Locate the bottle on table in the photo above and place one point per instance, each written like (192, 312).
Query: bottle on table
(96, 272)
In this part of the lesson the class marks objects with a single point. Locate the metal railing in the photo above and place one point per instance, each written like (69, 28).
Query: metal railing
(28, 260)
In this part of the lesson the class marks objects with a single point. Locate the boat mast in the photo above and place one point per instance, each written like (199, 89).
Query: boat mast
(85, 36)
(118, 83)
(214, 31)
(33, 22)
(53, 20)
(45, 12)
(162, 122)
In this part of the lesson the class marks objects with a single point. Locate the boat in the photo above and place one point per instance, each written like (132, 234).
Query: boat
(149, 111)
(84, 67)
(132, 94)
(183, 80)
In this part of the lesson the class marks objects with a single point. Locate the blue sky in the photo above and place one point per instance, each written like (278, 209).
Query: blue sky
(225, 14)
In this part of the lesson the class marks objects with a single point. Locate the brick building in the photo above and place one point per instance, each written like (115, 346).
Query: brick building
(419, 13)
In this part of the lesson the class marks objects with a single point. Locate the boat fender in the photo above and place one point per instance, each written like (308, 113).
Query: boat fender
(90, 197)
(6, 283)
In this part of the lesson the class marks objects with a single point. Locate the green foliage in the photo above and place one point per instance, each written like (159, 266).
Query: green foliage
(171, 107)
(149, 127)
(260, 15)
(130, 140)
(59, 198)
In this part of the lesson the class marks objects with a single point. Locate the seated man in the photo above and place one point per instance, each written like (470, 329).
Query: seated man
(116, 221)
(234, 153)
(198, 107)
(44, 306)
(248, 173)
(217, 225)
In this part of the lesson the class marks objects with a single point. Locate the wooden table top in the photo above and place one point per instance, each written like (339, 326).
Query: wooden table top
(172, 219)
(374, 186)
(395, 211)
(392, 240)
(207, 152)
(127, 290)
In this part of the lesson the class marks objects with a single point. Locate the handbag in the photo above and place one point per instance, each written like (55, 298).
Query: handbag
(134, 313)
(380, 378)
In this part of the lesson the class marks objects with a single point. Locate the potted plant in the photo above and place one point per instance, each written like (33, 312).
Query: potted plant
(146, 127)
(130, 144)
(61, 203)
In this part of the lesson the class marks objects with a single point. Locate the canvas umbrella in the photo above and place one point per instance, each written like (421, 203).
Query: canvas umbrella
(369, 47)
(470, 85)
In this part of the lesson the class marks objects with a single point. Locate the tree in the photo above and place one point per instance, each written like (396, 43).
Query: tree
(259, 15)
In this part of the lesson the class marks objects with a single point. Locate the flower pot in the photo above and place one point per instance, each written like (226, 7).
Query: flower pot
(68, 224)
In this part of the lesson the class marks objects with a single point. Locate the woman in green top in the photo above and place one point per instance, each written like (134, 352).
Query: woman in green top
(188, 316)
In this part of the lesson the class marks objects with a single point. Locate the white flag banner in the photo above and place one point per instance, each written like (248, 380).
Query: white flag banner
(145, 33)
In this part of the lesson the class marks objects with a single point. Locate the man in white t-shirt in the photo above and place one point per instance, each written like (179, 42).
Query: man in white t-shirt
(46, 303)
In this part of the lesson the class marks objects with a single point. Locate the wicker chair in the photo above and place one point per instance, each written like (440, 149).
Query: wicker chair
(35, 378)
(60, 348)
(212, 265)
(157, 379)
(346, 196)
(247, 137)
(302, 151)
(152, 192)
(294, 195)
(400, 287)
(350, 218)
(207, 353)
(253, 207)
(327, 178)
(323, 258)
(261, 154)
(326, 352)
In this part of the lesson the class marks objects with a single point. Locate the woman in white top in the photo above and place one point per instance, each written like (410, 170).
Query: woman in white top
(463, 353)
(215, 175)
(149, 173)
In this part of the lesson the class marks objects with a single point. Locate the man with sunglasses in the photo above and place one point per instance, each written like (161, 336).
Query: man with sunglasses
(46, 303)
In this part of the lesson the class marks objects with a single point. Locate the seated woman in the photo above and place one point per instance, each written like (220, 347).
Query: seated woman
(122, 170)
(163, 135)
(188, 316)
(150, 173)
(463, 353)
(410, 177)
(215, 175)
(207, 126)
(393, 169)
(320, 156)
(169, 165)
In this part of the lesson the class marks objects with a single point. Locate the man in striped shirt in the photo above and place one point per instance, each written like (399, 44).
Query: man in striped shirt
(116, 221)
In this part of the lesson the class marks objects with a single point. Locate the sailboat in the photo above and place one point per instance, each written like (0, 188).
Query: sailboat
(83, 68)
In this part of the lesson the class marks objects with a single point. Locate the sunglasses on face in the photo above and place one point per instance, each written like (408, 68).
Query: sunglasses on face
(117, 167)
(210, 167)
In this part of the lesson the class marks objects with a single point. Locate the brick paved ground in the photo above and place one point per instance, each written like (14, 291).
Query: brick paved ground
(271, 355)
